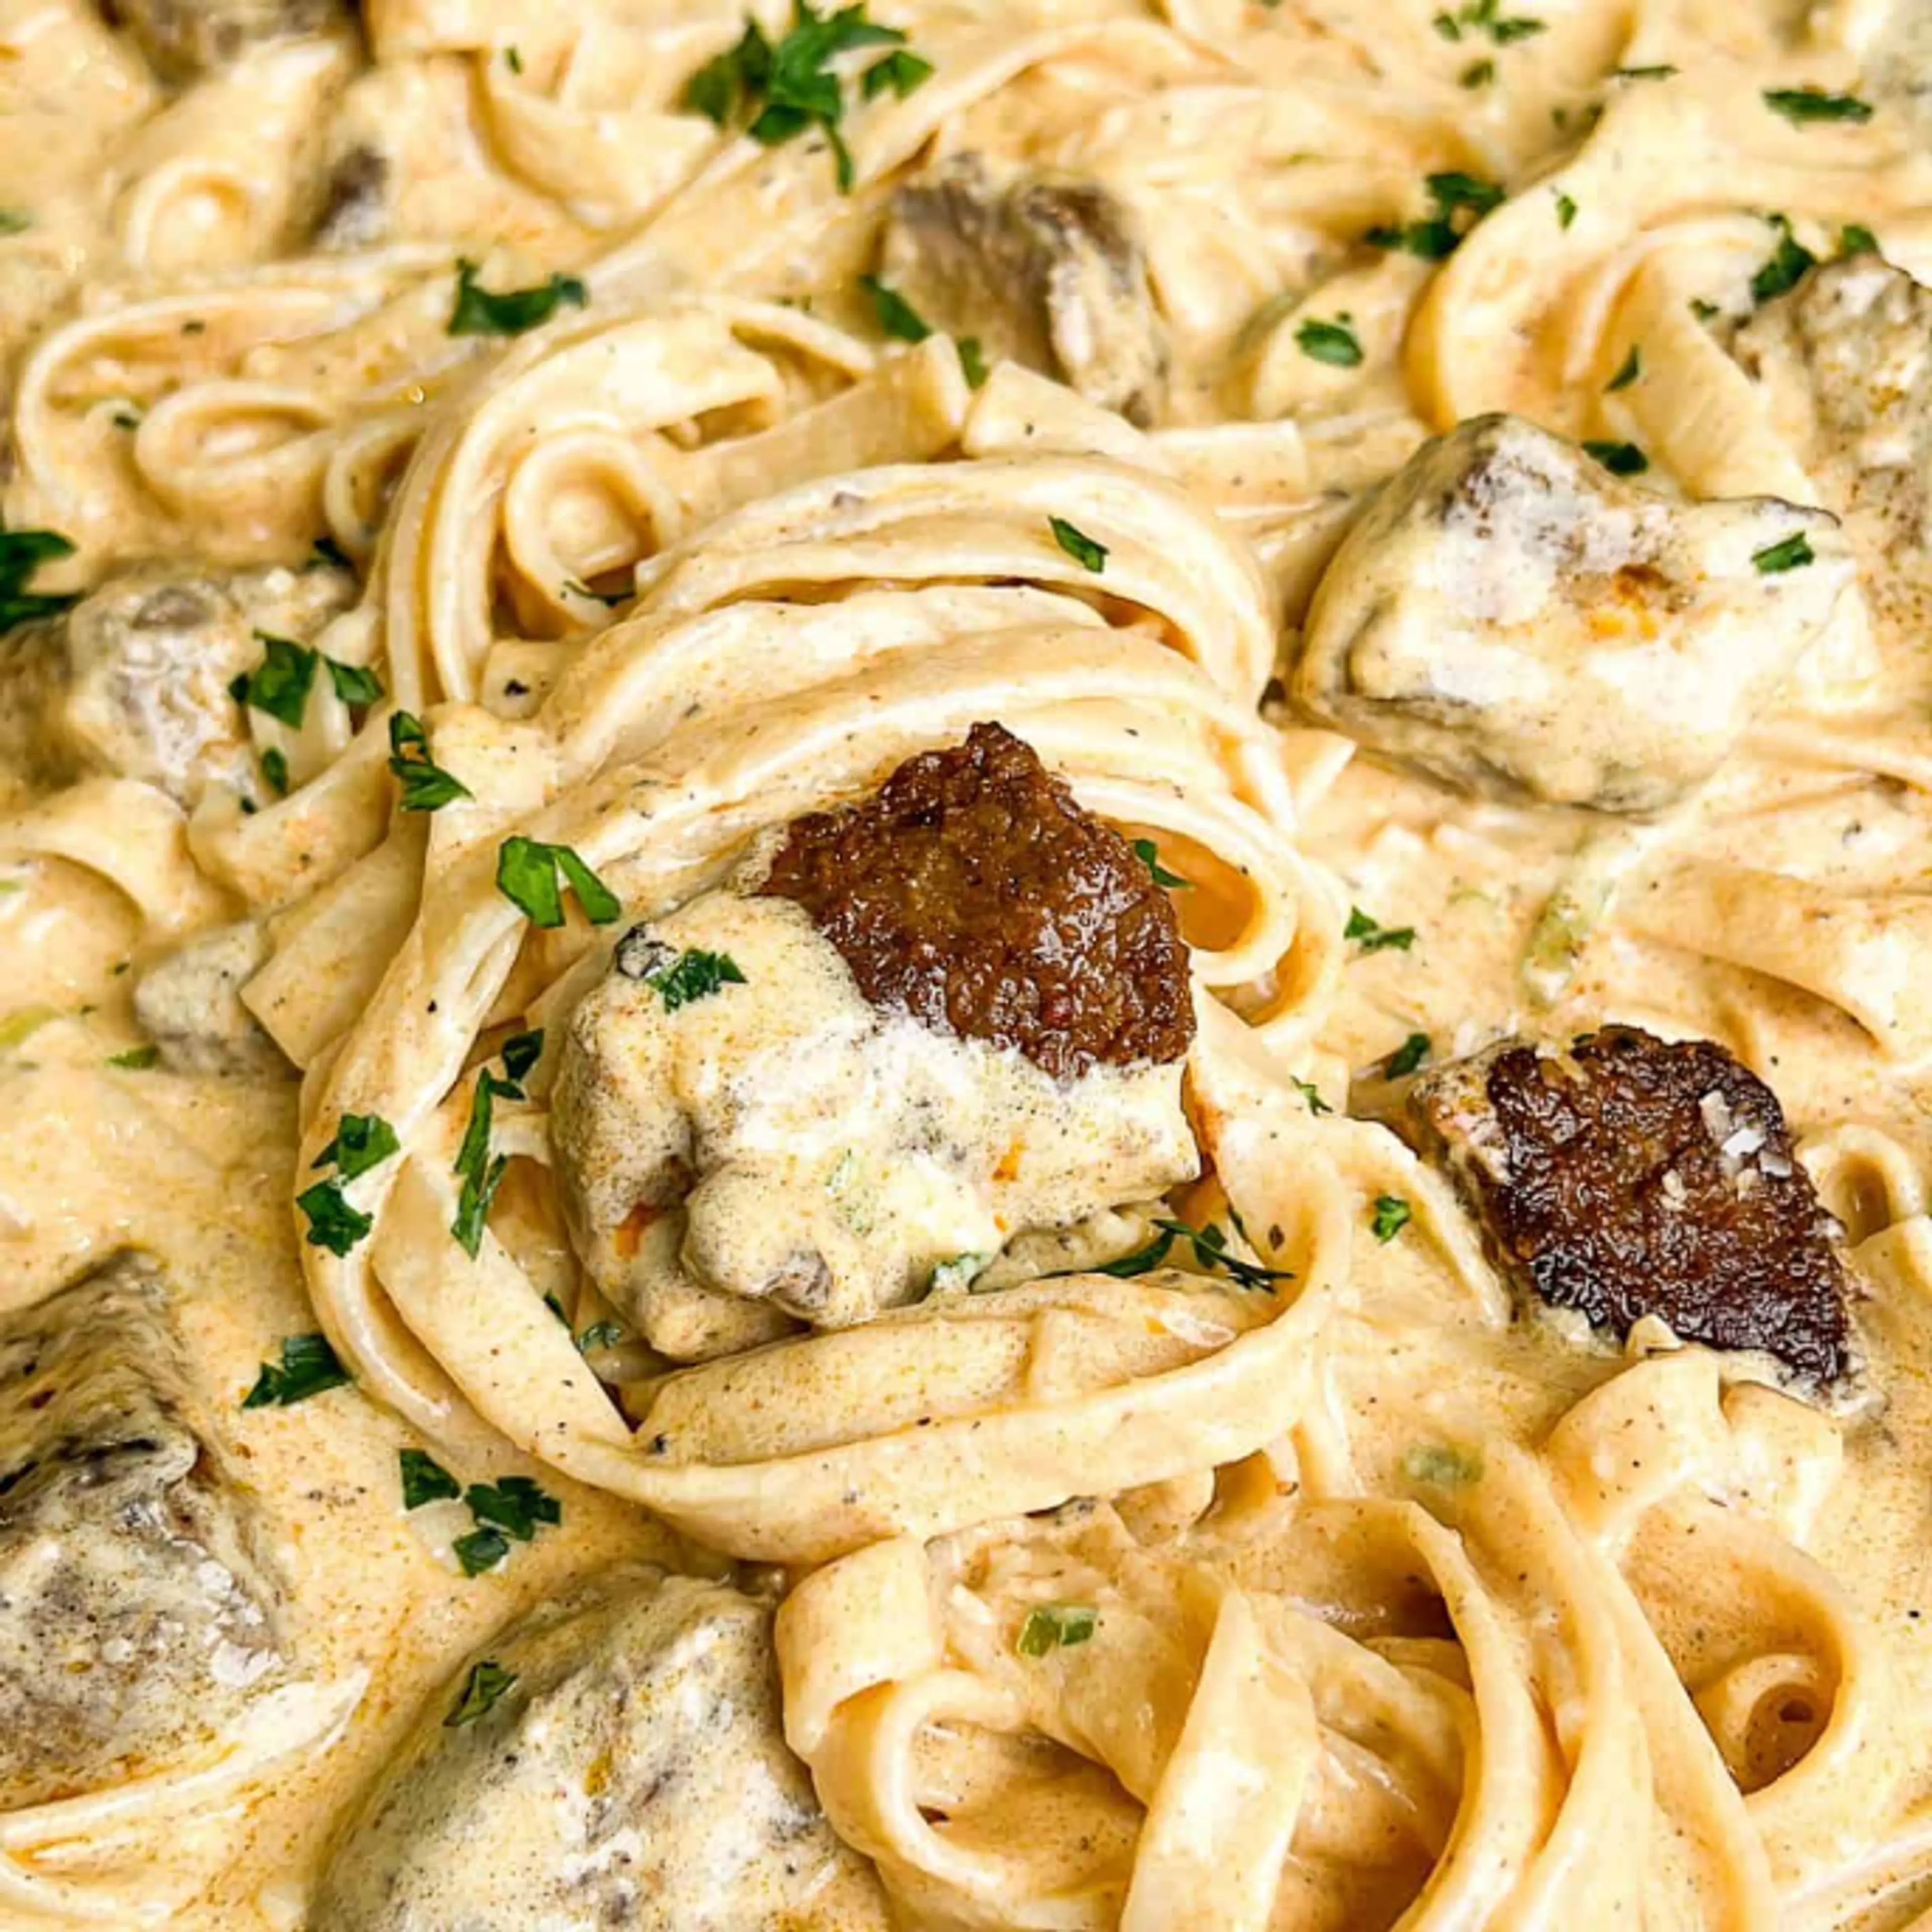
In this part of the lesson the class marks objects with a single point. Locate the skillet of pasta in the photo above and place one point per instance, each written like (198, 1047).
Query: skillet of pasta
(963, 965)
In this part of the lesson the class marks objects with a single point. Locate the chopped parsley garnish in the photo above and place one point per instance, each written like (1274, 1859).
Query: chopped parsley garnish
(521, 1052)
(481, 1550)
(483, 1689)
(354, 684)
(1791, 553)
(325, 550)
(1855, 238)
(1083, 551)
(902, 71)
(601, 1335)
(275, 769)
(1663, 71)
(1211, 1252)
(1374, 937)
(137, 1059)
(1478, 73)
(427, 786)
(334, 1223)
(1148, 853)
(896, 316)
(1786, 266)
(527, 875)
(279, 684)
(479, 311)
(1051, 1627)
(972, 360)
(426, 1481)
(1631, 369)
(1312, 1094)
(1704, 310)
(1485, 16)
(1333, 343)
(1620, 459)
(1437, 235)
(362, 1141)
(1391, 1216)
(22, 553)
(777, 90)
(13, 222)
(481, 1175)
(308, 1367)
(1408, 1057)
(515, 1505)
(1566, 210)
(513, 59)
(694, 975)
(1799, 105)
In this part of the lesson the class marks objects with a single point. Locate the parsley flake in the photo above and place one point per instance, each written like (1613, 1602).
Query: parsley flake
(1334, 342)
(137, 1059)
(901, 71)
(13, 222)
(972, 360)
(1148, 853)
(334, 1222)
(1799, 105)
(1478, 73)
(1855, 238)
(354, 684)
(895, 315)
(427, 786)
(1393, 1214)
(482, 1690)
(275, 769)
(1786, 265)
(1374, 937)
(1661, 70)
(521, 1052)
(1083, 551)
(361, 1141)
(309, 1366)
(1051, 1627)
(515, 1505)
(1620, 459)
(481, 1550)
(1791, 553)
(601, 1335)
(22, 553)
(1632, 368)
(527, 873)
(479, 311)
(1408, 1057)
(1312, 1094)
(1437, 234)
(1566, 209)
(279, 686)
(693, 975)
(426, 1481)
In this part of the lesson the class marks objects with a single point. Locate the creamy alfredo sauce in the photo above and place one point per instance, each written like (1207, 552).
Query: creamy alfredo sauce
(1365, 1595)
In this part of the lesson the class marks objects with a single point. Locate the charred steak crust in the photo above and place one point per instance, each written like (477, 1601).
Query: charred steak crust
(974, 893)
(1634, 1177)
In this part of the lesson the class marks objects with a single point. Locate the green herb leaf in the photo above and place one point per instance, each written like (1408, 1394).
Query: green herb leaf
(896, 316)
(477, 311)
(1631, 369)
(694, 975)
(326, 551)
(333, 1223)
(1083, 551)
(354, 684)
(972, 360)
(308, 1367)
(13, 222)
(1393, 1214)
(1791, 553)
(521, 1052)
(1855, 238)
(1620, 459)
(22, 553)
(1408, 1057)
(1444, 24)
(275, 769)
(1799, 105)
(481, 1550)
(1373, 937)
(526, 875)
(362, 1141)
(1437, 235)
(426, 1481)
(1050, 1627)
(473, 1205)
(279, 684)
(513, 60)
(427, 786)
(1454, 189)
(1333, 343)
(482, 1690)
(1443, 1466)
(1478, 73)
(1312, 1094)
(601, 1335)
(1148, 853)
(1786, 266)
(137, 1059)
(902, 72)
(1211, 1252)
(1566, 210)
(1507, 33)
(515, 1505)
(1142, 1261)
(1702, 309)
(1663, 71)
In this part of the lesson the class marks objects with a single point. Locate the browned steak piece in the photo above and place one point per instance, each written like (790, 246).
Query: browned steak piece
(973, 892)
(1632, 1176)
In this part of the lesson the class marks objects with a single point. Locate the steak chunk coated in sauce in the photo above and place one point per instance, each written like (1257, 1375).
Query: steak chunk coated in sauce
(1631, 1176)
